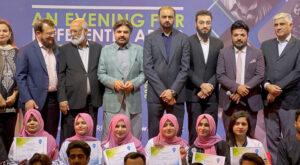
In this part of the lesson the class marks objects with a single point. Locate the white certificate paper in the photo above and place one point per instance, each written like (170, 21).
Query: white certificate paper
(96, 152)
(237, 152)
(25, 147)
(168, 155)
(115, 156)
(208, 159)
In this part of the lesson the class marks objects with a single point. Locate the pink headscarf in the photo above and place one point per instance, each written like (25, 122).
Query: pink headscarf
(52, 148)
(175, 140)
(90, 124)
(207, 143)
(129, 138)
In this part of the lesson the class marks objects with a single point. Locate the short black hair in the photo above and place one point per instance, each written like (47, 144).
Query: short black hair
(297, 114)
(123, 22)
(203, 13)
(134, 155)
(253, 157)
(79, 144)
(239, 24)
(38, 26)
(44, 159)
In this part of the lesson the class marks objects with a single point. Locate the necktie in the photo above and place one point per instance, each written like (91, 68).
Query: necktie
(239, 68)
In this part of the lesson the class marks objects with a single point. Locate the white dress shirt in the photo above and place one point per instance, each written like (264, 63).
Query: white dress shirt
(243, 54)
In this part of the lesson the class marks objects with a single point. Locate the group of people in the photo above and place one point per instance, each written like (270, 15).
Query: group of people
(80, 76)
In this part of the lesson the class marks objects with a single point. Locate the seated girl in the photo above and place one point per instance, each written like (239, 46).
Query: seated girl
(207, 142)
(83, 126)
(119, 134)
(168, 128)
(33, 126)
(240, 133)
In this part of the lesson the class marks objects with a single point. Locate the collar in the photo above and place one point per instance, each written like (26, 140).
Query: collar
(6, 47)
(42, 46)
(117, 47)
(240, 51)
(164, 34)
(87, 45)
(201, 40)
(288, 38)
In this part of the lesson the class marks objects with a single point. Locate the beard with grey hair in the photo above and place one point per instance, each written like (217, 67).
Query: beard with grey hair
(78, 40)
(204, 35)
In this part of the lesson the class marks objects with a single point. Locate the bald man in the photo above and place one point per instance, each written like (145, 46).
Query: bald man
(79, 90)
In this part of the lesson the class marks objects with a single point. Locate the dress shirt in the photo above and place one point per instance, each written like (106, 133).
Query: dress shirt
(123, 59)
(243, 54)
(167, 42)
(84, 55)
(205, 47)
(50, 62)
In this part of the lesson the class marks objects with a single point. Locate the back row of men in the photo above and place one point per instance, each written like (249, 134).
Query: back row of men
(178, 69)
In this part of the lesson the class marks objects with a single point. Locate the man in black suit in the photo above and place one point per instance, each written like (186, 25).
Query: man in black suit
(78, 87)
(166, 63)
(281, 83)
(202, 85)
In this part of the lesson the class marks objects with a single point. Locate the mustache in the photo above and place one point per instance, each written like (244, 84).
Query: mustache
(122, 38)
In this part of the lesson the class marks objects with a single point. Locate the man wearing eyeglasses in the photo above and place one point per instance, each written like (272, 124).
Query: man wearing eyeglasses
(36, 72)
(202, 85)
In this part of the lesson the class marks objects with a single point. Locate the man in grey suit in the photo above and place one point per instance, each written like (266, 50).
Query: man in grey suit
(202, 86)
(121, 72)
(281, 83)
(166, 64)
(79, 90)
(240, 70)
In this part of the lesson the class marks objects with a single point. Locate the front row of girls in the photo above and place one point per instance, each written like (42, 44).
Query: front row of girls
(239, 134)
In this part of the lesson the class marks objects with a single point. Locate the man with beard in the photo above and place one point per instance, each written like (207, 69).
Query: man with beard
(282, 82)
(36, 72)
(166, 64)
(240, 70)
(202, 86)
(289, 148)
(121, 72)
(79, 90)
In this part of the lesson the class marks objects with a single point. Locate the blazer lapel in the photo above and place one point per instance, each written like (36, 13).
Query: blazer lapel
(132, 56)
(289, 45)
(248, 58)
(91, 56)
(115, 60)
(39, 54)
(161, 44)
(232, 59)
(77, 58)
(210, 51)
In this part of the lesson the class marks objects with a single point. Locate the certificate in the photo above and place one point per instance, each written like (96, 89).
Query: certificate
(208, 159)
(168, 155)
(96, 152)
(115, 156)
(237, 152)
(25, 147)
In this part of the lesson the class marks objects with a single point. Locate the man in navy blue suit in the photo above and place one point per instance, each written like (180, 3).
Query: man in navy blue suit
(36, 72)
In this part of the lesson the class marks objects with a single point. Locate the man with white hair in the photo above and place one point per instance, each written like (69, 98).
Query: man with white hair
(282, 82)
(79, 90)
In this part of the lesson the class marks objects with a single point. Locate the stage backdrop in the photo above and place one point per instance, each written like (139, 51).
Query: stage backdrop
(102, 14)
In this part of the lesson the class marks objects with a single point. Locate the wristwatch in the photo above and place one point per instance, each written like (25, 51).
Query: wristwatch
(173, 92)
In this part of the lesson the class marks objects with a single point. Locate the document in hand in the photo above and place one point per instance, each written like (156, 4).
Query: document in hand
(168, 155)
(25, 147)
(237, 152)
(208, 159)
(115, 156)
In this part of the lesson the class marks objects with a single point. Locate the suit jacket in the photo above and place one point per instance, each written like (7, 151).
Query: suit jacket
(284, 71)
(254, 75)
(72, 76)
(163, 72)
(32, 74)
(201, 72)
(109, 72)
